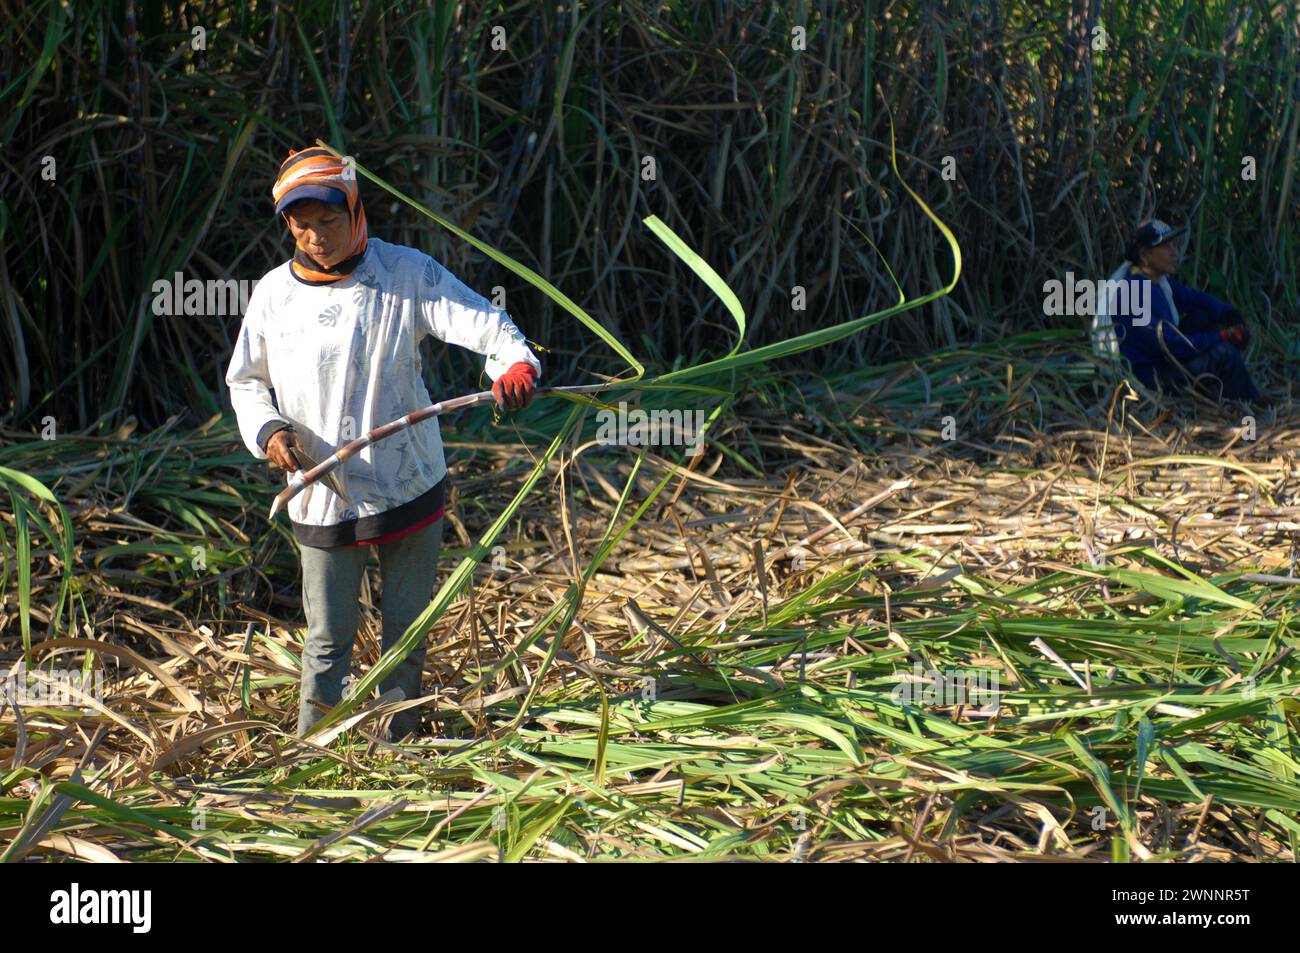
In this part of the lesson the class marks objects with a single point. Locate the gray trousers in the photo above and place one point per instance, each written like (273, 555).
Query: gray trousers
(331, 590)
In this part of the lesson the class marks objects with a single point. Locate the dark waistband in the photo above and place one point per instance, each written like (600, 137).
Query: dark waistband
(372, 527)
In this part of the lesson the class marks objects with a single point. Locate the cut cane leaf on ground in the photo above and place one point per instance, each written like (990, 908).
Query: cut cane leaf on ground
(697, 750)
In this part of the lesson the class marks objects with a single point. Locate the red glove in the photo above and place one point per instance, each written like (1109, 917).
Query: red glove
(1236, 335)
(514, 389)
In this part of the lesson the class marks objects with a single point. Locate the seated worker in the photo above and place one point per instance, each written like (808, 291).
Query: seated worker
(1181, 336)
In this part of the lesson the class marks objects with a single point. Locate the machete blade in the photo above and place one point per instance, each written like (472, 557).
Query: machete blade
(306, 462)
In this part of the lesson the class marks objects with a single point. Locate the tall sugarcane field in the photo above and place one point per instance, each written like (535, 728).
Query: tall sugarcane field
(649, 431)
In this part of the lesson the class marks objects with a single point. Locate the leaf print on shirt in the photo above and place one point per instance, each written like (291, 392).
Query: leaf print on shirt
(330, 316)
(363, 487)
(409, 471)
(409, 376)
(430, 275)
(334, 360)
(407, 465)
(327, 363)
(368, 303)
(360, 365)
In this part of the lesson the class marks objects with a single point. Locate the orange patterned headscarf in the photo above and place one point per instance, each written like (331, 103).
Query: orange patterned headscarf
(318, 173)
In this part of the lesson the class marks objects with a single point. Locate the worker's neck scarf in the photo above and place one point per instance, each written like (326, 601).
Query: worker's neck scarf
(322, 167)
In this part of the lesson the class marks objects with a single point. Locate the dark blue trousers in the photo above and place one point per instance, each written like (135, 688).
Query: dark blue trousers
(1219, 372)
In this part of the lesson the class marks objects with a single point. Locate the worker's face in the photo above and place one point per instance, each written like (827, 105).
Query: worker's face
(1163, 259)
(321, 229)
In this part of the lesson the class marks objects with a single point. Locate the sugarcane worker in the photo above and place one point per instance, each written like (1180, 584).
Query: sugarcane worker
(329, 349)
(1181, 337)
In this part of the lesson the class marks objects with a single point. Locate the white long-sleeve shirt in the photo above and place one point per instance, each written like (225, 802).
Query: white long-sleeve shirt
(344, 358)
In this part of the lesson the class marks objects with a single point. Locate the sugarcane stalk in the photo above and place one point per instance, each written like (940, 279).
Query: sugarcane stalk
(303, 479)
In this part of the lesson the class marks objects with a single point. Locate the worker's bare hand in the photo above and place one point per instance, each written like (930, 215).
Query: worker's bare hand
(277, 450)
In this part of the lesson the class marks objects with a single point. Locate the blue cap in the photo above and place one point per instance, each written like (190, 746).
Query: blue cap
(1148, 235)
(325, 193)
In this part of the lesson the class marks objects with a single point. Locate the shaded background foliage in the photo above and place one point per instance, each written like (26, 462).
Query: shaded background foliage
(773, 163)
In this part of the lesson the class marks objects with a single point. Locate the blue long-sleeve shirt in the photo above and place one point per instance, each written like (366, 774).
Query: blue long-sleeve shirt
(1140, 342)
